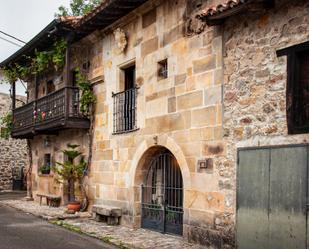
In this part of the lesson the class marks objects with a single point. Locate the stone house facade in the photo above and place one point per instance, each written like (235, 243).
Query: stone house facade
(180, 87)
(180, 113)
(84, 52)
(13, 152)
(255, 77)
(257, 105)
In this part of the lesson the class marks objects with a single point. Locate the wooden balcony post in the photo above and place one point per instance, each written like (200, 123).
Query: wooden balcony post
(67, 69)
(13, 84)
(36, 81)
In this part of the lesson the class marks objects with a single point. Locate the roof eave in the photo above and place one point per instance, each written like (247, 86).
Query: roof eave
(31, 44)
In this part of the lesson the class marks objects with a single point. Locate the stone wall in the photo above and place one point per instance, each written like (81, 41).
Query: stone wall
(13, 152)
(255, 83)
(54, 145)
(181, 113)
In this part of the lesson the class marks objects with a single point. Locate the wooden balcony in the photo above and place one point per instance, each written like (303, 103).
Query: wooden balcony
(49, 114)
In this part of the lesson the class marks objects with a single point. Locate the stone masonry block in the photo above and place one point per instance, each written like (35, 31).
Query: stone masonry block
(149, 46)
(180, 79)
(149, 18)
(213, 95)
(204, 64)
(190, 100)
(173, 34)
(204, 117)
(172, 104)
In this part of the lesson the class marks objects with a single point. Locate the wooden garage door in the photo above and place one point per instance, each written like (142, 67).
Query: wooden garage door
(272, 186)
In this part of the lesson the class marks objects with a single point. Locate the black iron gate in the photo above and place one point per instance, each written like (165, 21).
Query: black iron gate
(162, 195)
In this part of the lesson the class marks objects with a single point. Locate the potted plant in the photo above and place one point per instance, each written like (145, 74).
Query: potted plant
(71, 171)
(45, 169)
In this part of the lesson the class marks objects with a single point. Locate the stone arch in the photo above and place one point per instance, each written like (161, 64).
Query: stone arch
(148, 148)
(145, 150)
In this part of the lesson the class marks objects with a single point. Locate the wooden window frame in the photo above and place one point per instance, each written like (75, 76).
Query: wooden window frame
(292, 90)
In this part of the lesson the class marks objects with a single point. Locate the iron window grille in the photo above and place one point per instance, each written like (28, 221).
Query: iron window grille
(124, 113)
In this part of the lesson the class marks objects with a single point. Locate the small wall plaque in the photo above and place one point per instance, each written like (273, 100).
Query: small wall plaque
(205, 165)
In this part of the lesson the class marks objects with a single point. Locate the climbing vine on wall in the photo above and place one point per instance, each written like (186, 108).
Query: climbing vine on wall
(87, 96)
(41, 61)
(7, 124)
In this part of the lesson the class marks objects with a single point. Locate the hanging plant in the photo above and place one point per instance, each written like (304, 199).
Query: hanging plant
(87, 98)
(58, 55)
(7, 123)
(40, 62)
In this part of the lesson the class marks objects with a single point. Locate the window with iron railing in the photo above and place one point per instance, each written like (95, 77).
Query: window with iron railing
(124, 113)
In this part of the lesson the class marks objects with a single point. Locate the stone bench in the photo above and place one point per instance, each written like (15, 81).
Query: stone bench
(108, 214)
(51, 200)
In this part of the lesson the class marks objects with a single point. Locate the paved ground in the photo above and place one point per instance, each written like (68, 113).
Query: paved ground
(12, 195)
(121, 236)
(19, 230)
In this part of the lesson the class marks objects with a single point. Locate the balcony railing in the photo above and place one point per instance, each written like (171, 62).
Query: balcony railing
(57, 110)
(124, 115)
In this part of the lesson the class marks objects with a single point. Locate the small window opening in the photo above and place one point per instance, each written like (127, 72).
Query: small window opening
(162, 69)
(129, 77)
(45, 168)
(297, 93)
(86, 65)
(50, 86)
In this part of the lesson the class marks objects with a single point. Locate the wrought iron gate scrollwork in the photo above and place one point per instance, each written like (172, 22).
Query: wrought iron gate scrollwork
(162, 195)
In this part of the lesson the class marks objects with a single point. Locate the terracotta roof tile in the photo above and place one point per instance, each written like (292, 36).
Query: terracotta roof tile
(230, 4)
(92, 13)
(70, 20)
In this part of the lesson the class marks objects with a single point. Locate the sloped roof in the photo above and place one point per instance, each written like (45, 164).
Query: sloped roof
(222, 7)
(102, 16)
(59, 27)
(70, 20)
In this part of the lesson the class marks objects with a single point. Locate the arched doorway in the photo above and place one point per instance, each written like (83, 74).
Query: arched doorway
(162, 194)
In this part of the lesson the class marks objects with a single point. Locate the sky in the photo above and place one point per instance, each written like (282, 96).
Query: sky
(24, 19)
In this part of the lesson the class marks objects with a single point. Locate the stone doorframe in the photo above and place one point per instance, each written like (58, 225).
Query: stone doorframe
(138, 170)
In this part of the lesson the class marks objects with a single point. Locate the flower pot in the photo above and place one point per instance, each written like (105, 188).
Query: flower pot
(73, 206)
(45, 172)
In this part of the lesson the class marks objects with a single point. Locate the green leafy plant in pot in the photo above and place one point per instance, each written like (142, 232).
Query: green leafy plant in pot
(71, 171)
(45, 169)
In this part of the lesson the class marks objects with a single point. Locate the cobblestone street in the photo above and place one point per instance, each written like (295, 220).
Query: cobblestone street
(121, 236)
